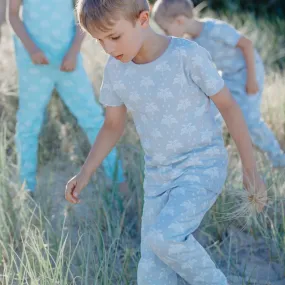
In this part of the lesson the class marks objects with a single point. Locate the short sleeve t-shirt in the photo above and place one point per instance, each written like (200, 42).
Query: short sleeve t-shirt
(220, 39)
(169, 100)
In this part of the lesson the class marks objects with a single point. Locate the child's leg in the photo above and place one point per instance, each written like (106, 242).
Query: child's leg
(35, 87)
(250, 105)
(151, 270)
(78, 94)
(260, 134)
(171, 239)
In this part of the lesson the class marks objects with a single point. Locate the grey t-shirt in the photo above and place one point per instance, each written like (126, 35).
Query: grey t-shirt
(169, 102)
(220, 40)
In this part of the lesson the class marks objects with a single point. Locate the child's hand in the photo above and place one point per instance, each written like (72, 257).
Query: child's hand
(251, 87)
(38, 57)
(69, 62)
(256, 189)
(74, 187)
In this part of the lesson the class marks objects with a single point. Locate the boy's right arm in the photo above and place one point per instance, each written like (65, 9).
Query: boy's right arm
(107, 138)
(36, 54)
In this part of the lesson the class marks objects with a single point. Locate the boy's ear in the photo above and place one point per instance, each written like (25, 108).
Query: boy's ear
(180, 20)
(144, 19)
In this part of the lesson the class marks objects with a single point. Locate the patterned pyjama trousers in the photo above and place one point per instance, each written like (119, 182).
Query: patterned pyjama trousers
(168, 248)
(261, 135)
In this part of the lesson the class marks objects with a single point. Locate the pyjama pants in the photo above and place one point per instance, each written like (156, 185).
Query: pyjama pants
(168, 248)
(261, 135)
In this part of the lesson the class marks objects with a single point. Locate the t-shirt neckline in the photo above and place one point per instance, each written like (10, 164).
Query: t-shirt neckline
(166, 51)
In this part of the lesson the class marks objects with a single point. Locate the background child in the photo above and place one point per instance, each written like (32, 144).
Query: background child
(167, 84)
(235, 56)
(47, 53)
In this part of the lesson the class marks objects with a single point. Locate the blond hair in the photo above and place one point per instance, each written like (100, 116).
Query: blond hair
(170, 9)
(102, 14)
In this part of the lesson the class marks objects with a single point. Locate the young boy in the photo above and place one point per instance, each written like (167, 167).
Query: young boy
(235, 56)
(167, 84)
(48, 56)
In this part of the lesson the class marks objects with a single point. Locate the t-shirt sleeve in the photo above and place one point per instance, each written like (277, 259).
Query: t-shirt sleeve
(108, 96)
(226, 33)
(203, 71)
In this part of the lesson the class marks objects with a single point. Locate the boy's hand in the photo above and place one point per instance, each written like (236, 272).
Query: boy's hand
(74, 187)
(69, 62)
(256, 189)
(38, 57)
(251, 87)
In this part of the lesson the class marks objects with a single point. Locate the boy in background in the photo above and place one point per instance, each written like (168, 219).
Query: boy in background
(234, 55)
(47, 45)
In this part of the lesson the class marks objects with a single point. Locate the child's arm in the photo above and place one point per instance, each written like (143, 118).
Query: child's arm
(235, 122)
(247, 49)
(237, 128)
(36, 54)
(107, 138)
(230, 36)
(205, 75)
(69, 61)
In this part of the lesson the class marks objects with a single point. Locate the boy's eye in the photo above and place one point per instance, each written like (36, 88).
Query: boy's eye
(115, 38)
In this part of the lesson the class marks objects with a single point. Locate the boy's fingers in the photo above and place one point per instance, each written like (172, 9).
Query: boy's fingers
(63, 67)
(73, 200)
(262, 204)
(67, 68)
(68, 192)
(74, 195)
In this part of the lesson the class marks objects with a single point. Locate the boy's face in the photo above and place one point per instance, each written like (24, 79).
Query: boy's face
(172, 27)
(124, 40)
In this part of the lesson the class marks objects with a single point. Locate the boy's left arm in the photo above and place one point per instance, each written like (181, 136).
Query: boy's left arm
(227, 33)
(70, 59)
(247, 49)
(203, 72)
(237, 128)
